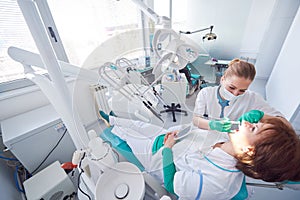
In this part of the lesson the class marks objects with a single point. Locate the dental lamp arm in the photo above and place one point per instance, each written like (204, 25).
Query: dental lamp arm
(33, 59)
(191, 32)
(208, 36)
(160, 20)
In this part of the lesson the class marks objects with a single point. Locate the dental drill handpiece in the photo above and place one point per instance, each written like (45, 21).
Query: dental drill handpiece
(235, 125)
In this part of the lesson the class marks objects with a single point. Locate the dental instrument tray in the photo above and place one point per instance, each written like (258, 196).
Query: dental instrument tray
(183, 132)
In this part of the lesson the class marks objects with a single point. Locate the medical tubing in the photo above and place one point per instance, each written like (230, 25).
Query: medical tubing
(11, 159)
(114, 84)
(158, 96)
(129, 92)
(115, 153)
(50, 152)
(154, 82)
(139, 94)
(17, 181)
(131, 65)
(78, 182)
(111, 81)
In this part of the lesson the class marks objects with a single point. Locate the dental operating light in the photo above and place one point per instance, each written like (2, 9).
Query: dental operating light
(175, 54)
(208, 36)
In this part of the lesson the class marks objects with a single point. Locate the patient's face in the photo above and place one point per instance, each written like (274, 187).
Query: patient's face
(247, 135)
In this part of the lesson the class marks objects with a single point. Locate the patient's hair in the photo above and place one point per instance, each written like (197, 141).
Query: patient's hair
(276, 156)
(240, 69)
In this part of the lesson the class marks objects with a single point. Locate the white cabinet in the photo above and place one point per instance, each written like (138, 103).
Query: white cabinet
(32, 135)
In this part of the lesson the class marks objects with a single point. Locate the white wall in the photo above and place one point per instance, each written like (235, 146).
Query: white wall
(276, 30)
(282, 89)
(256, 25)
(251, 28)
(230, 19)
(227, 26)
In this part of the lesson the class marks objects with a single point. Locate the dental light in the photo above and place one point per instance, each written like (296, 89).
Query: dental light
(208, 36)
(174, 53)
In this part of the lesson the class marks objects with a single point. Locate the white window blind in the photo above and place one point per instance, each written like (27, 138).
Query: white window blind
(13, 32)
(82, 26)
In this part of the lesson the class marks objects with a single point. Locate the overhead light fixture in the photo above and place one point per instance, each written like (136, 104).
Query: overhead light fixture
(208, 36)
(175, 55)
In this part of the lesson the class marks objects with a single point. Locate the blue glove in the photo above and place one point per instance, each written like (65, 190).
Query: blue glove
(223, 125)
(253, 116)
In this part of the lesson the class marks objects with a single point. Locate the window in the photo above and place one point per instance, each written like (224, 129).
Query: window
(13, 32)
(82, 26)
(179, 12)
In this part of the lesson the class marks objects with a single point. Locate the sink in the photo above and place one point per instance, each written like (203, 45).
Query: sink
(121, 181)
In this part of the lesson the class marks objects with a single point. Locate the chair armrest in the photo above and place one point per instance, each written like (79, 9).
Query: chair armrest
(292, 185)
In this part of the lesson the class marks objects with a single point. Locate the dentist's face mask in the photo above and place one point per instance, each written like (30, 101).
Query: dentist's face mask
(233, 87)
(226, 94)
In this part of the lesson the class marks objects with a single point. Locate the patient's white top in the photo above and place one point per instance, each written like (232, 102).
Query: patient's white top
(188, 156)
(217, 183)
(207, 102)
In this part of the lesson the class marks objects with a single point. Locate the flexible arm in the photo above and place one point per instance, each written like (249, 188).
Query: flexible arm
(160, 20)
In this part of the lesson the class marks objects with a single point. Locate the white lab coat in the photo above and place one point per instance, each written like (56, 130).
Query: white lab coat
(207, 103)
(217, 183)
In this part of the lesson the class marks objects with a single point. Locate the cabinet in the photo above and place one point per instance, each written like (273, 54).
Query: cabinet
(32, 135)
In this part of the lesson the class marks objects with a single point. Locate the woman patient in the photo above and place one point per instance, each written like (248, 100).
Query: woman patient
(268, 149)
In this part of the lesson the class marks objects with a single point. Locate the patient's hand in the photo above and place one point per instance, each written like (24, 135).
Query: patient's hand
(169, 139)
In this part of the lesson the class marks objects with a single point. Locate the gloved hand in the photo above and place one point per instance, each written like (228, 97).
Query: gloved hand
(253, 116)
(223, 125)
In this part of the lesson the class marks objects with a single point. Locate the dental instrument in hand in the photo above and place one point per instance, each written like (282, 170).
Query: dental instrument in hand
(234, 125)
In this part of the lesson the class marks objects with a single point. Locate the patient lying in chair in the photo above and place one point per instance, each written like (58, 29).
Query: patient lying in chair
(207, 165)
